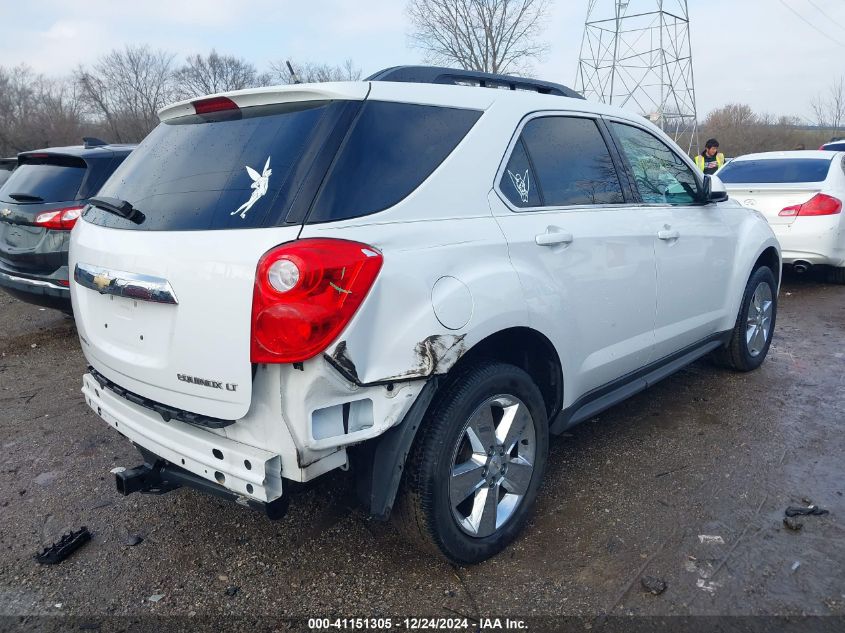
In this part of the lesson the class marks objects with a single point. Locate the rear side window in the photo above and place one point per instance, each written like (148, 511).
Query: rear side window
(571, 162)
(228, 170)
(391, 149)
(51, 179)
(775, 170)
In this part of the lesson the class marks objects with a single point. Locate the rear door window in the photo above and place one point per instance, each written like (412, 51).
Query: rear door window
(571, 163)
(775, 170)
(661, 175)
(391, 149)
(48, 179)
(228, 170)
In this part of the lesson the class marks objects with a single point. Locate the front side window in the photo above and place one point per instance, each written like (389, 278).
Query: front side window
(661, 175)
(571, 163)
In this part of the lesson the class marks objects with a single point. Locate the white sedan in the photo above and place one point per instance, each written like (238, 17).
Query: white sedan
(800, 193)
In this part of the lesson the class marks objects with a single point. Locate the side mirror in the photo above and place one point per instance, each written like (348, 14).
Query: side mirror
(714, 190)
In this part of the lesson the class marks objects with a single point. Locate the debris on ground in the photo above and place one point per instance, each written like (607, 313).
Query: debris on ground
(710, 586)
(792, 524)
(711, 539)
(64, 547)
(132, 539)
(796, 565)
(795, 511)
(231, 590)
(155, 597)
(653, 585)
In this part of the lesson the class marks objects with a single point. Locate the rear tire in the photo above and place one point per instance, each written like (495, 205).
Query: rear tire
(475, 467)
(755, 324)
(836, 275)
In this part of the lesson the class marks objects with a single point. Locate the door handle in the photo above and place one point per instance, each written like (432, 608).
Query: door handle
(668, 234)
(553, 238)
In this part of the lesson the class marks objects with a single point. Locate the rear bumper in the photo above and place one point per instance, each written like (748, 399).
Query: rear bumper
(41, 291)
(249, 474)
(817, 240)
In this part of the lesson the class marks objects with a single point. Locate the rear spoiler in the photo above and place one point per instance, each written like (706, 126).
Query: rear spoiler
(329, 91)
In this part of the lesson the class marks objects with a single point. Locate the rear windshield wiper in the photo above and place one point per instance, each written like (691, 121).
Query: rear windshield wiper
(25, 197)
(119, 207)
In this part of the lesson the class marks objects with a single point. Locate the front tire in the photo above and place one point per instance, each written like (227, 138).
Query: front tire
(755, 324)
(475, 467)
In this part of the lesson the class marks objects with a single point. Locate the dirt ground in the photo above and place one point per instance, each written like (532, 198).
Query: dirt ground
(633, 493)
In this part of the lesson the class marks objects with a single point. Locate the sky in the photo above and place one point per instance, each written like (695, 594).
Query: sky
(757, 52)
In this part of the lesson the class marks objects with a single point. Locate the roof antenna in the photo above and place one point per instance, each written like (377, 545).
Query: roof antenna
(293, 74)
(92, 141)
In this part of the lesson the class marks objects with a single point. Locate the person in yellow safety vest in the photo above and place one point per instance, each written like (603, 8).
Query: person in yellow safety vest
(711, 159)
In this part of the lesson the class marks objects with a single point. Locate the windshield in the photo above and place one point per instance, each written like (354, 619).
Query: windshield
(775, 170)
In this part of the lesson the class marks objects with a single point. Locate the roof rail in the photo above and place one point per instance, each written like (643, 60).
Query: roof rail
(458, 77)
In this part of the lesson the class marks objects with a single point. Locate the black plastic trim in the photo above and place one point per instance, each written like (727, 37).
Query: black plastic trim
(166, 412)
(602, 398)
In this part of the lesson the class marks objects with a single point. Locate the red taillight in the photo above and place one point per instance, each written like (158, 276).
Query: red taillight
(819, 204)
(214, 104)
(60, 219)
(305, 293)
(64, 282)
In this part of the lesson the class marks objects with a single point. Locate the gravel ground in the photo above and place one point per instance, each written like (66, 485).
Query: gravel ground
(627, 495)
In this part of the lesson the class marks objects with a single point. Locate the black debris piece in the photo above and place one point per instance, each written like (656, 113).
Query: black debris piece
(231, 590)
(792, 524)
(64, 547)
(653, 585)
(794, 511)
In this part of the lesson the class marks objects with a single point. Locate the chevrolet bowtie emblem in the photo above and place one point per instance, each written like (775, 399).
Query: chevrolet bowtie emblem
(102, 281)
(5, 212)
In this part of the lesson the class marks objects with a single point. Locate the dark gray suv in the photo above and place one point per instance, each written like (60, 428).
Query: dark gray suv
(39, 204)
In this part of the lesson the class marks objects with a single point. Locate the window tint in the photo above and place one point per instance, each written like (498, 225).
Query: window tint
(571, 162)
(518, 182)
(661, 175)
(835, 147)
(391, 150)
(774, 170)
(228, 170)
(54, 179)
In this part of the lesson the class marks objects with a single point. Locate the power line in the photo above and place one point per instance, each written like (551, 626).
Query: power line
(810, 24)
(824, 13)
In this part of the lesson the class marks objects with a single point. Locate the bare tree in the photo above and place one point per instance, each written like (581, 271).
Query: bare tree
(207, 74)
(127, 88)
(830, 109)
(495, 36)
(311, 72)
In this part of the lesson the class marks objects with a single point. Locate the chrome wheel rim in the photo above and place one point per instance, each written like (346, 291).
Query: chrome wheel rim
(759, 323)
(492, 465)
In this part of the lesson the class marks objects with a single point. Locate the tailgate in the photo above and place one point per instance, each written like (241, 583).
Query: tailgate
(770, 200)
(167, 315)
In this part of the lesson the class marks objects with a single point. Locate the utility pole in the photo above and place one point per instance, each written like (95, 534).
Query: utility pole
(636, 54)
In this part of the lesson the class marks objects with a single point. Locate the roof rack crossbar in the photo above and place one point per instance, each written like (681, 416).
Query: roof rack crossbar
(455, 76)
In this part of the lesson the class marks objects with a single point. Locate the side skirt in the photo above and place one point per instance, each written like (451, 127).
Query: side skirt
(591, 404)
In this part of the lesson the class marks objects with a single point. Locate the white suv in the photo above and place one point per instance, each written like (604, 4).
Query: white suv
(417, 280)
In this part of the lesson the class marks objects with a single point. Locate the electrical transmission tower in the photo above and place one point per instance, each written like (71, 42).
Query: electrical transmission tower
(636, 54)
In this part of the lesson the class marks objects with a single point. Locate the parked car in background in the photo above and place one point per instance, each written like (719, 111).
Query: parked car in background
(39, 204)
(6, 167)
(801, 194)
(834, 146)
(284, 281)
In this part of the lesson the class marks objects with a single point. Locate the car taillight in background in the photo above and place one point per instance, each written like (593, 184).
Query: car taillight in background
(59, 219)
(214, 104)
(819, 204)
(305, 293)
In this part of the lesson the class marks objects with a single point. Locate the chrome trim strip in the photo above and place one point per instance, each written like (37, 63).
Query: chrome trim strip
(123, 284)
(32, 282)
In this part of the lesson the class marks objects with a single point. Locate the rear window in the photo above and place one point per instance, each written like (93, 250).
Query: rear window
(53, 179)
(775, 170)
(229, 170)
(835, 147)
(390, 151)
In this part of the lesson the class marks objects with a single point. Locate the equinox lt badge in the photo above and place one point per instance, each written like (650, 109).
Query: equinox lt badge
(214, 384)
